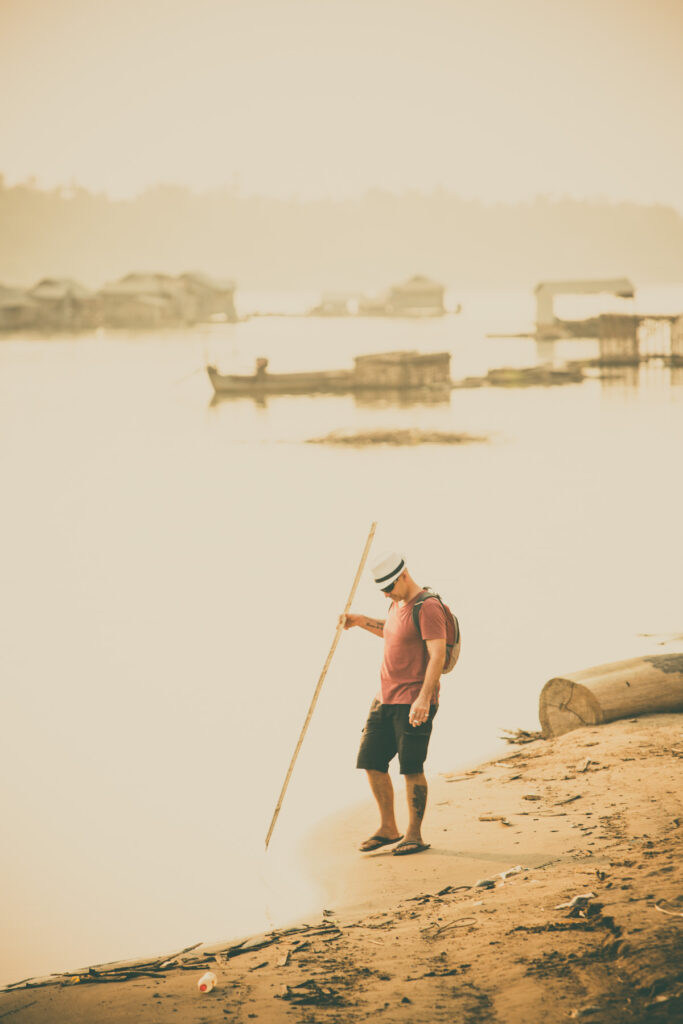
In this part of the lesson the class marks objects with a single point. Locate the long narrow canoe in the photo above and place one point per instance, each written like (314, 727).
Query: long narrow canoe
(622, 689)
(280, 383)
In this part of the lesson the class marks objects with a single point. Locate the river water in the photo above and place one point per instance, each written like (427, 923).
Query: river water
(172, 572)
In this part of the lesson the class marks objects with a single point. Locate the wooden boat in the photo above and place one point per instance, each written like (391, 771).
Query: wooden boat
(639, 686)
(261, 383)
(371, 373)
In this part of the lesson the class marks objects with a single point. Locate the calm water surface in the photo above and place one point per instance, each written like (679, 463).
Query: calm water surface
(172, 572)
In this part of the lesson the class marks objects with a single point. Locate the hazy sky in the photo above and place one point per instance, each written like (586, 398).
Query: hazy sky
(499, 99)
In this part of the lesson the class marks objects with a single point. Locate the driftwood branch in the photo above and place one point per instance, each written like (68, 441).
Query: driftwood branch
(520, 736)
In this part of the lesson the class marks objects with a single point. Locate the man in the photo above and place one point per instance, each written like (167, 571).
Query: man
(401, 716)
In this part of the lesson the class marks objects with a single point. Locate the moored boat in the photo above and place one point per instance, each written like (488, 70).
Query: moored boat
(262, 383)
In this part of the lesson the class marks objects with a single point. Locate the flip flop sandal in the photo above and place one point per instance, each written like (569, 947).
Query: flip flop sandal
(405, 849)
(377, 842)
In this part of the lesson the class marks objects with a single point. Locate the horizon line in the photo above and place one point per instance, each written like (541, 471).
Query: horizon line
(72, 189)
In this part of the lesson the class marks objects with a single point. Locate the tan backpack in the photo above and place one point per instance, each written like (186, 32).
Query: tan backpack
(452, 628)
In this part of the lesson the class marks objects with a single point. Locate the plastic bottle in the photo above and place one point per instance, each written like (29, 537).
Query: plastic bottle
(207, 982)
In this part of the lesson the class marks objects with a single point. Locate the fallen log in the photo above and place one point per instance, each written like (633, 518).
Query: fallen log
(623, 689)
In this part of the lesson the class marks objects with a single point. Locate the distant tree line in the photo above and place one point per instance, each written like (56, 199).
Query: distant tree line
(355, 244)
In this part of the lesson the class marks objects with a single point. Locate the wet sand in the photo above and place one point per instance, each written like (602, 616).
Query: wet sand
(553, 890)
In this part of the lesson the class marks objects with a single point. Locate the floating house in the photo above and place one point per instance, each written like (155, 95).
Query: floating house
(18, 310)
(208, 299)
(60, 303)
(159, 300)
(396, 370)
(419, 296)
(141, 300)
(138, 300)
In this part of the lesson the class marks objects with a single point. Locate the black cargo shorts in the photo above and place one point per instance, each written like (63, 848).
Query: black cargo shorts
(388, 732)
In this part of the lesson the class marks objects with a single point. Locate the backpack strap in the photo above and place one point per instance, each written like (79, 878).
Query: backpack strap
(418, 604)
(424, 596)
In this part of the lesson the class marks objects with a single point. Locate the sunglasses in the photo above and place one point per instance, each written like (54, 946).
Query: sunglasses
(387, 590)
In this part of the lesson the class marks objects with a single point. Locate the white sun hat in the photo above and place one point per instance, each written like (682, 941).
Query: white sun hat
(388, 570)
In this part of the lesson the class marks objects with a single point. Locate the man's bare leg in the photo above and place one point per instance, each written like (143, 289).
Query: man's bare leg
(383, 792)
(416, 793)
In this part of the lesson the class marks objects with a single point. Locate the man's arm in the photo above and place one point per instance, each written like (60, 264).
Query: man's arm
(419, 709)
(375, 626)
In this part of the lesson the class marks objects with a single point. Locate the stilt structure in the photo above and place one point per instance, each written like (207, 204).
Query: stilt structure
(547, 290)
(677, 341)
(629, 340)
(618, 339)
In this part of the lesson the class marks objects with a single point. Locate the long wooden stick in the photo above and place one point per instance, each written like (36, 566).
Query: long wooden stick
(340, 628)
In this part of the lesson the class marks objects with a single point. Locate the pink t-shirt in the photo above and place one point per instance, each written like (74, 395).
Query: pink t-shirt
(405, 653)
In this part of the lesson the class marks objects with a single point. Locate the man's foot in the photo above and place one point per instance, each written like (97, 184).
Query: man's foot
(409, 846)
(375, 842)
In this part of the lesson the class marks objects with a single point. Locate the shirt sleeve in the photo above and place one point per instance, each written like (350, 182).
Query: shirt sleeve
(433, 620)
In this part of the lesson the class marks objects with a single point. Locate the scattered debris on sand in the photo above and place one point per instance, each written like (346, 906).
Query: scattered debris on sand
(520, 736)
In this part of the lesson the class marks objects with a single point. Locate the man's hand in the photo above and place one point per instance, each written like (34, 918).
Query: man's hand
(347, 621)
(419, 710)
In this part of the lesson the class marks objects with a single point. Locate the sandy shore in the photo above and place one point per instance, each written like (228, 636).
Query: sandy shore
(553, 890)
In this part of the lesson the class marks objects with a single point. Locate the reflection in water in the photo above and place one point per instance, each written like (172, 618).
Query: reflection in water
(260, 400)
(400, 397)
(403, 397)
(650, 379)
